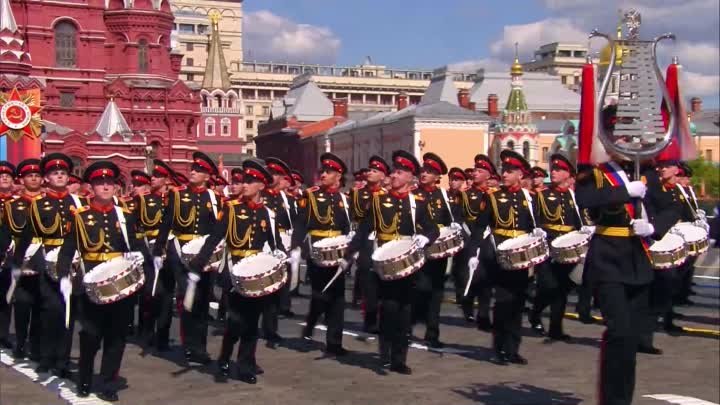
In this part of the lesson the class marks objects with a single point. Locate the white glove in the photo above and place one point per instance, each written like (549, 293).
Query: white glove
(158, 262)
(279, 254)
(643, 228)
(420, 240)
(702, 224)
(587, 229)
(473, 263)
(65, 286)
(636, 189)
(344, 265)
(702, 215)
(16, 273)
(456, 226)
(351, 235)
(539, 232)
(295, 255)
(193, 278)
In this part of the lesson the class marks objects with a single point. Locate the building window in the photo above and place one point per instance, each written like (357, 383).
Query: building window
(511, 145)
(67, 99)
(225, 127)
(249, 110)
(189, 46)
(249, 124)
(204, 100)
(189, 61)
(250, 152)
(266, 110)
(526, 150)
(186, 28)
(545, 154)
(190, 77)
(708, 155)
(201, 29)
(563, 79)
(209, 126)
(143, 56)
(65, 45)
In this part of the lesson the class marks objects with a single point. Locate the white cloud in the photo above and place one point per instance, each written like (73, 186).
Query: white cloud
(530, 36)
(699, 85)
(269, 37)
(469, 66)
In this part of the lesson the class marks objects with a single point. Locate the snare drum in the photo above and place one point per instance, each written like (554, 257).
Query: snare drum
(522, 252)
(397, 259)
(328, 252)
(449, 243)
(27, 267)
(570, 248)
(51, 258)
(192, 248)
(696, 238)
(669, 252)
(259, 275)
(114, 280)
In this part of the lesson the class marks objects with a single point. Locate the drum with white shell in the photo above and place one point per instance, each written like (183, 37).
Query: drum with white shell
(570, 248)
(328, 252)
(115, 279)
(26, 269)
(51, 258)
(449, 243)
(397, 259)
(259, 275)
(522, 252)
(669, 252)
(192, 248)
(696, 238)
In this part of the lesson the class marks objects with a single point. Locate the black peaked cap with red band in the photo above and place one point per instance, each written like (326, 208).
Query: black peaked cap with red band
(457, 173)
(7, 167)
(254, 170)
(180, 179)
(277, 166)
(513, 161)
(434, 163)
(406, 161)
(221, 182)
(56, 161)
(203, 163)
(331, 161)
(297, 176)
(161, 169)
(103, 169)
(538, 171)
(559, 161)
(236, 175)
(687, 170)
(361, 174)
(484, 162)
(28, 166)
(73, 179)
(378, 163)
(139, 178)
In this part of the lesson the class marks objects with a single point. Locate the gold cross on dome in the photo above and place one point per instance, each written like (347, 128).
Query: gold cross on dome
(215, 17)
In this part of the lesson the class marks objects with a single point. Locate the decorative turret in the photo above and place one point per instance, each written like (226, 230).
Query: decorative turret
(112, 122)
(13, 58)
(516, 109)
(216, 72)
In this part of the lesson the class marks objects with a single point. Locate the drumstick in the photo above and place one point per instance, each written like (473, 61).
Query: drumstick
(189, 296)
(470, 277)
(11, 290)
(337, 274)
(67, 311)
(157, 274)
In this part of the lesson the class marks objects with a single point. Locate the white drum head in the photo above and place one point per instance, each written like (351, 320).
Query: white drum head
(569, 239)
(392, 249)
(517, 242)
(107, 270)
(331, 242)
(254, 266)
(690, 232)
(193, 247)
(668, 242)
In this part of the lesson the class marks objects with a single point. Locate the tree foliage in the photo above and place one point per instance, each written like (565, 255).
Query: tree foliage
(707, 173)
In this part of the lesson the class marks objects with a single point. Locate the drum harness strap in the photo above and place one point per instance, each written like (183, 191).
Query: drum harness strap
(449, 263)
(577, 210)
(286, 205)
(687, 200)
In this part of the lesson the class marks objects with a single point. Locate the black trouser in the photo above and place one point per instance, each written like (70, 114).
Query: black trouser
(370, 289)
(157, 311)
(27, 308)
(194, 323)
(270, 316)
(331, 302)
(284, 300)
(429, 291)
(662, 288)
(480, 289)
(624, 308)
(53, 346)
(585, 297)
(106, 324)
(510, 295)
(5, 308)
(553, 287)
(686, 278)
(395, 319)
(241, 323)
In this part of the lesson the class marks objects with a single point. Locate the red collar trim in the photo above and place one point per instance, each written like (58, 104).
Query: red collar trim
(102, 208)
(482, 189)
(430, 188)
(374, 188)
(399, 195)
(56, 195)
(253, 205)
(28, 197)
(200, 189)
(330, 190)
(273, 192)
(514, 189)
(560, 189)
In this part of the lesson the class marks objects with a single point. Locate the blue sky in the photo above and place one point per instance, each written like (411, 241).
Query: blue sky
(469, 34)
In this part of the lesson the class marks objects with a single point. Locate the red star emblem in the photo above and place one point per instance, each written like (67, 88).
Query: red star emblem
(15, 115)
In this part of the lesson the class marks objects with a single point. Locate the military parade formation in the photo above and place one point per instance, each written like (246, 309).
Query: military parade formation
(82, 251)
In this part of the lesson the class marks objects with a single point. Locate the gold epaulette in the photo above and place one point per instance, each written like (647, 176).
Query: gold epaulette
(312, 189)
(82, 209)
(179, 188)
(233, 202)
(382, 191)
(419, 197)
(125, 210)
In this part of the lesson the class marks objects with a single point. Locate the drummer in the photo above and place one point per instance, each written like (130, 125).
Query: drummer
(191, 213)
(100, 232)
(685, 289)
(296, 189)
(150, 201)
(480, 285)
(396, 214)
(247, 225)
(430, 287)
(324, 213)
(276, 198)
(7, 174)
(27, 297)
(556, 212)
(508, 214)
(360, 200)
(457, 179)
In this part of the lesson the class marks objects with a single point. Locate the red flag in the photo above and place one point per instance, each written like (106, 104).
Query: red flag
(590, 149)
(681, 146)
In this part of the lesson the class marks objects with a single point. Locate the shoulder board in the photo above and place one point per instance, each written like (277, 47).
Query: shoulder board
(82, 209)
(125, 210)
(126, 199)
(180, 188)
(312, 189)
(419, 197)
(233, 202)
(492, 190)
(143, 193)
(380, 192)
(39, 196)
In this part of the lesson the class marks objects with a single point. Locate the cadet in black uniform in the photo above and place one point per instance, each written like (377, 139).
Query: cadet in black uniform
(430, 287)
(324, 213)
(7, 179)
(391, 218)
(480, 287)
(276, 199)
(360, 200)
(457, 179)
(618, 268)
(507, 213)
(246, 225)
(190, 214)
(557, 213)
(97, 234)
(27, 304)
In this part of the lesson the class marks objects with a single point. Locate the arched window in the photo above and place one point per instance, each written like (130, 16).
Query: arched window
(526, 150)
(218, 99)
(209, 126)
(142, 56)
(65, 44)
(225, 127)
(511, 145)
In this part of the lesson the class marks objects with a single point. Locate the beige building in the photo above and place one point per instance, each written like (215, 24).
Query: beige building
(560, 59)
(192, 33)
